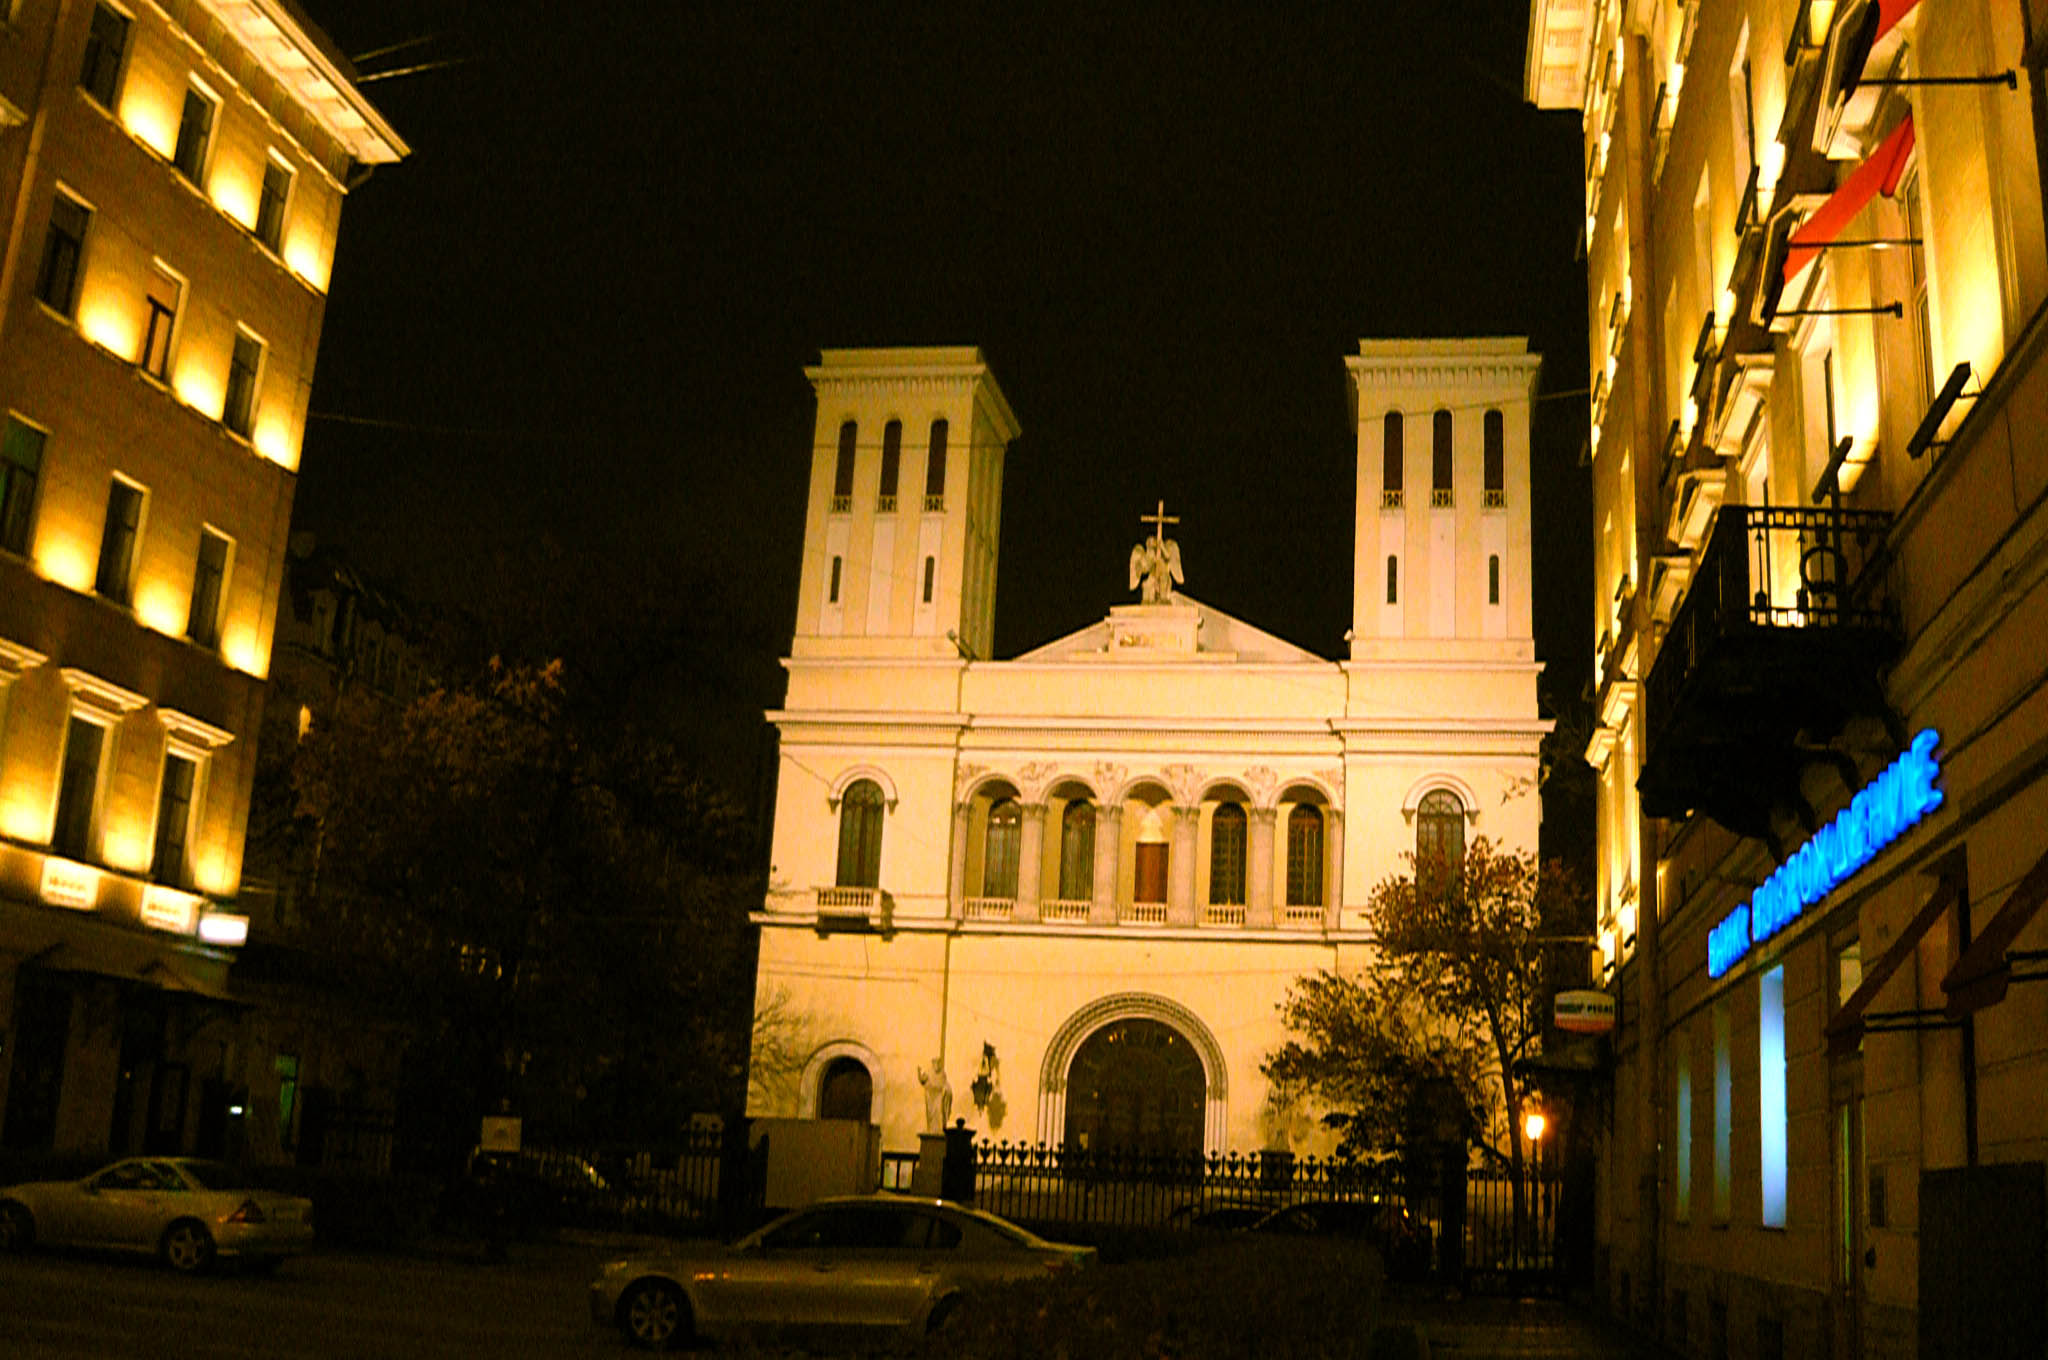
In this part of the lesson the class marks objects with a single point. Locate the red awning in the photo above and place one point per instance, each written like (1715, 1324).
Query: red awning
(1889, 12)
(1845, 1030)
(1879, 173)
(1980, 975)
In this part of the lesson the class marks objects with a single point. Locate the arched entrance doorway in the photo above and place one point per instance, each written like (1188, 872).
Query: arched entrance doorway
(1136, 1085)
(846, 1091)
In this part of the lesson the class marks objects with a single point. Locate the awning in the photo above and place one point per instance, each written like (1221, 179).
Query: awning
(1879, 173)
(1980, 976)
(1845, 1029)
(1889, 12)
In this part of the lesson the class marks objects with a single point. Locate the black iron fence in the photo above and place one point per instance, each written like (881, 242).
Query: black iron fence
(684, 1188)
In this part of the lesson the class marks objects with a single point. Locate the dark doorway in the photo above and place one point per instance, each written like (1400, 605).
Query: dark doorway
(846, 1091)
(42, 1029)
(1136, 1086)
(1150, 882)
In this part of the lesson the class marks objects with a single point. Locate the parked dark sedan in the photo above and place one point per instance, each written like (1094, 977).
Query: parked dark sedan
(1403, 1242)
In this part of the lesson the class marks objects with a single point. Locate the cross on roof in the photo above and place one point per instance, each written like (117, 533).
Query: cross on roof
(1159, 519)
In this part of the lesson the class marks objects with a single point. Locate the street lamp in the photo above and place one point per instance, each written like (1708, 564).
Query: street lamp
(1533, 1125)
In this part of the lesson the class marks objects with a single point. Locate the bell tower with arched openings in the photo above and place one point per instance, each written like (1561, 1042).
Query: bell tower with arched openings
(905, 506)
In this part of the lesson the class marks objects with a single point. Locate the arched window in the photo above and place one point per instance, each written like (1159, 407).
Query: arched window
(1392, 458)
(999, 850)
(1440, 459)
(1226, 856)
(846, 1090)
(892, 463)
(1077, 852)
(842, 475)
(1304, 857)
(860, 835)
(935, 469)
(1439, 833)
(1496, 460)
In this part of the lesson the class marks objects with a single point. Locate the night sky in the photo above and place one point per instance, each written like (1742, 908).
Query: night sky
(582, 307)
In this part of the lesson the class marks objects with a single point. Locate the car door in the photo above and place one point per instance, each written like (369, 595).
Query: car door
(840, 1265)
(122, 1207)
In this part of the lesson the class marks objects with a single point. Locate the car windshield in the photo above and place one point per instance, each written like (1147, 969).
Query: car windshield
(215, 1176)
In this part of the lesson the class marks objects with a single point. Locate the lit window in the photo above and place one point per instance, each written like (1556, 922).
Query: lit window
(1496, 460)
(935, 469)
(245, 369)
(860, 835)
(1391, 460)
(271, 204)
(63, 253)
(892, 462)
(115, 578)
(195, 136)
(842, 472)
(1440, 459)
(209, 578)
(1226, 856)
(174, 820)
(162, 293)
(78, 790)
(21, 465)
(105, 43)
(1304, 857)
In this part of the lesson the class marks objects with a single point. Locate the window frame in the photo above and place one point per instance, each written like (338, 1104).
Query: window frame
(111, 582)
(935, 465)
(66, 305)
(842, 468)
(1078, 825)
(240, 401)
(191, 157)
(1305, 886)
(892, 467)
(1229, 840)
(204, 627)
(1442, 460)
(1495, 460)
(87, 846)
(94, 71)
(269, 230)
(160, 370)
(18, 504)
(861, 806)
(1002, 848)
(1393, 460)
(1439, 831)
(178, 875)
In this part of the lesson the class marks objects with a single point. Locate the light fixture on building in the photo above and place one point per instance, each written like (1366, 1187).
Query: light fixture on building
(1534, 1125)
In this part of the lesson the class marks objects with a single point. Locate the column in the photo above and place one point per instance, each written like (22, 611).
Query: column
(1333, 880)
(1258, 868)
(1109, 831)
(1180, 866)
(956, 886)
(1030, 861)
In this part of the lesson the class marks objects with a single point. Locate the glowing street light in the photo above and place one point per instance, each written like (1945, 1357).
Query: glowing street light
(1533, 1125)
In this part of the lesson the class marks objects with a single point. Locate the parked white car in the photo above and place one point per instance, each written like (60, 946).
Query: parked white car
(871, 1261)
(186, 1210)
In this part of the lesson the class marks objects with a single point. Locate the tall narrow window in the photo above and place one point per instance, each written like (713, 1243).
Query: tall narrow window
(245, 369)
(1226, 856)
(276, 196)
(860, 835)
(1770, 1081)
(162, 293)
(1493, 578)
(1440, 459)
(63, 252)
(1724, 1112)
(935, 469)
(1439, 833)
(1496, 460)
(842, 472)
(931, 571)
(892, 462)
(174, 820)
(1393, 579)
(115, 578)
(1304, 857)
(287, 1068)
(195, 136)
(1916, 265)
(1077, 851)
(1000, 849)
(209, 577)
(105, 42)
(1392, 458)
(21, 467)
(78, 790)
(1681, 1190)
(832, 595)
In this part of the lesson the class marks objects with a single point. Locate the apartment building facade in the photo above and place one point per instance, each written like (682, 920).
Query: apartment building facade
(1816, 276)
(172, 174)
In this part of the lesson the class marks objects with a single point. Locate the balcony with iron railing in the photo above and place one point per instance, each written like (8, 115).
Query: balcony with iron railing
(1779, 641)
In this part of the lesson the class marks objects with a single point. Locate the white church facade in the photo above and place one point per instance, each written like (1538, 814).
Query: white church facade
(1061, 896)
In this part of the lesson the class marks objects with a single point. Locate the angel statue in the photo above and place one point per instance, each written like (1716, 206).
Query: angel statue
(1156, 562)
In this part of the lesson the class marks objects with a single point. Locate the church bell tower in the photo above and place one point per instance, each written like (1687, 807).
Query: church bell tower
(905, 505)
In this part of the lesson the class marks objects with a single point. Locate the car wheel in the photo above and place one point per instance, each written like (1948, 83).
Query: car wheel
(17, 1229)
(654, 1315)
(187, 1247)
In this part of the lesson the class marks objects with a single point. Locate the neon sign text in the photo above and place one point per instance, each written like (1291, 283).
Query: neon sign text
(1882, 811)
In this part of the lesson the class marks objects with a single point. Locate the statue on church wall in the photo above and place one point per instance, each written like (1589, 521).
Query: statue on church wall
(938, 1096)
(1155, 563)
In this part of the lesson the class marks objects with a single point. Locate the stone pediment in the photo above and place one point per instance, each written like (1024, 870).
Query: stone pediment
(1184, 630)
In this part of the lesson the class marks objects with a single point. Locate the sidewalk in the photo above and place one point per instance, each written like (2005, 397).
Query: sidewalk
(1487, 1328)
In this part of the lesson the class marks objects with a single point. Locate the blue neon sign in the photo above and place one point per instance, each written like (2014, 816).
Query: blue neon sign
(1882, 811)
